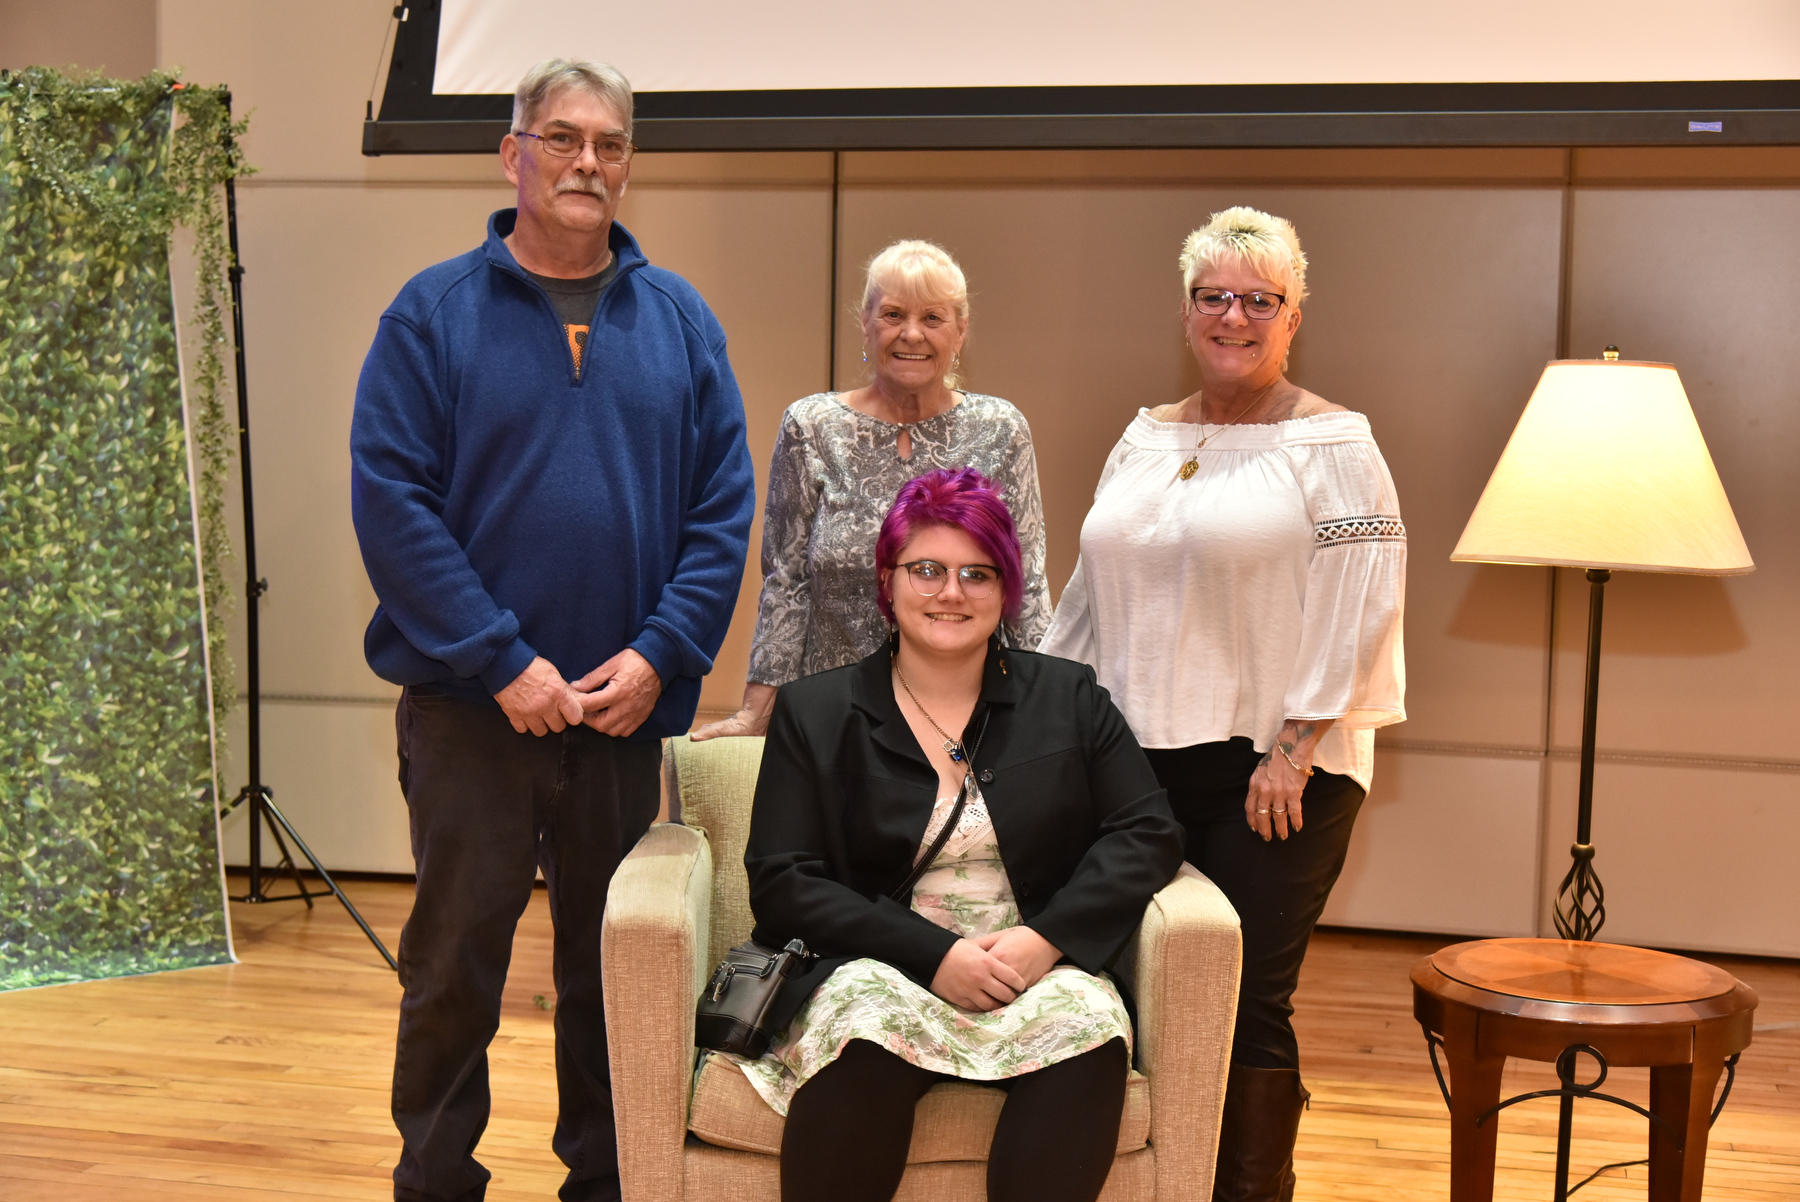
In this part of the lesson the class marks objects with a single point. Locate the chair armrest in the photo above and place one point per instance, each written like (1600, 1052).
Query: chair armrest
(655, 939)
(1188, 954)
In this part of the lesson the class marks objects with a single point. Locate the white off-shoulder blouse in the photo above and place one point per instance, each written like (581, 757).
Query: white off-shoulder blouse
(1270, 585)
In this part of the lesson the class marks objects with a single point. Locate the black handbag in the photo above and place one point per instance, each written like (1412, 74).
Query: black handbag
(733, 1014)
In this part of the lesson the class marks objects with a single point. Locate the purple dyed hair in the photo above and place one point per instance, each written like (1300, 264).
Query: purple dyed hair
(962, 499)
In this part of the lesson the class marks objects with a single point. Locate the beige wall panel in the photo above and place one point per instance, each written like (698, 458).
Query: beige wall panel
(1444, 843)
(332, 768)
(1210, 168)
(775, 169)
(1708, 280)
(1687, 165)
(322, 263)
(302, 72)
(760, 253)
(1433, 311)
(114, 37)
(1691, 857)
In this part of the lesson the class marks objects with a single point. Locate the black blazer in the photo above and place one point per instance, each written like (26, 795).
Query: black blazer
(845, 792)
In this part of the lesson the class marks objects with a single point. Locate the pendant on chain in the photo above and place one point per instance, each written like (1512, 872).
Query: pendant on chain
(1189, 468)
(954, 750)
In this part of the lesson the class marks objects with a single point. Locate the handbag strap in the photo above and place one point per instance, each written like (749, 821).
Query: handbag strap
(903, 893)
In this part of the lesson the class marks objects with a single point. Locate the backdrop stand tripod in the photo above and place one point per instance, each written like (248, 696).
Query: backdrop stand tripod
(260, 797)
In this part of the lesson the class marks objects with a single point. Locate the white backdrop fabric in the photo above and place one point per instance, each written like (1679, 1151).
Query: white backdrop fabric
(484, 46)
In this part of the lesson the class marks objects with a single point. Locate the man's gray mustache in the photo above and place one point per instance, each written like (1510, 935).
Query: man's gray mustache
(584, 183)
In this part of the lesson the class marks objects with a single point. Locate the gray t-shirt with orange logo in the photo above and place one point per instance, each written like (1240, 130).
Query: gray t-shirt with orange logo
(575, 301)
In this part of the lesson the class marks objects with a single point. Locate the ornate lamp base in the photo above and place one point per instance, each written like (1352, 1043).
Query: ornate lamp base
(1581, 900)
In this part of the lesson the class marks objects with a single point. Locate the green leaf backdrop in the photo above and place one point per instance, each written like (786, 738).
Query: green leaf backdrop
(109, 858)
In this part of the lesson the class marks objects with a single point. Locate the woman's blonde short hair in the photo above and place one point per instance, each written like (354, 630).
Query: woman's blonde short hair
(918, 271)
(1268, 243)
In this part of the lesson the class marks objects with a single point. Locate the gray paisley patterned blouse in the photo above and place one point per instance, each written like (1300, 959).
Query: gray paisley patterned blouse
(833, 476)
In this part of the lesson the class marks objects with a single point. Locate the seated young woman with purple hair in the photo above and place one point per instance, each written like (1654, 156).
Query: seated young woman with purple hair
(966, 835)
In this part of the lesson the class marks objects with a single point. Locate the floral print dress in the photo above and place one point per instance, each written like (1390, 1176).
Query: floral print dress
(966, 890)
(832, 479)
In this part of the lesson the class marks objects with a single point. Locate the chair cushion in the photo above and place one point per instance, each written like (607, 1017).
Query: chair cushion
(955, 1121)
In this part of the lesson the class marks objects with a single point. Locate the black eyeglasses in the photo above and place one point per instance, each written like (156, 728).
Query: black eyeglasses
(566, 144)
(928, 577)
(1216, 302)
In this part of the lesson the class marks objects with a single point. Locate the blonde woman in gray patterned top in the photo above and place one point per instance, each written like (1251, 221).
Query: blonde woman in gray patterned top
(841, 457)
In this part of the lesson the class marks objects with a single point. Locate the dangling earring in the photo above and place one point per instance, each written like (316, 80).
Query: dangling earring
(865, 354)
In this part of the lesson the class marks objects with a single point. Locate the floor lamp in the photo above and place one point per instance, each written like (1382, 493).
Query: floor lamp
(1607, 471)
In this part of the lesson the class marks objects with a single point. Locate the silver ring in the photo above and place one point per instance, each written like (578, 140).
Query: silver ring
(1283, 811)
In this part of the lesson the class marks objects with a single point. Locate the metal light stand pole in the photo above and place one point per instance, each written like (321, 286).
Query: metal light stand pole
(260, 797)
(1580, 901)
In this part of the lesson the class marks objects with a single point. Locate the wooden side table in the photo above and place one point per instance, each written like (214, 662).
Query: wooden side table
(1538, 999)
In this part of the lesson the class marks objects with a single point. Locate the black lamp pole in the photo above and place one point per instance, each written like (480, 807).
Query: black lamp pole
(1581, 901)
(260, 797)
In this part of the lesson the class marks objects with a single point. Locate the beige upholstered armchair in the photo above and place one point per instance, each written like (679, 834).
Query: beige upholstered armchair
(681, 899)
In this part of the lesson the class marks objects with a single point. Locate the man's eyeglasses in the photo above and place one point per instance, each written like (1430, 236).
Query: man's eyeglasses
(566, 144)
(1216, 302)
(928, 577)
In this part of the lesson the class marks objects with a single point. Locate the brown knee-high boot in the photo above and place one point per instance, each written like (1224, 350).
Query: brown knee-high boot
(1256, 1135)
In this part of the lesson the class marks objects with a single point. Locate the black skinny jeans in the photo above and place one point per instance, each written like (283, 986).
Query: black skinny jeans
(490, 806)
(849, 1127)
(1278, 888)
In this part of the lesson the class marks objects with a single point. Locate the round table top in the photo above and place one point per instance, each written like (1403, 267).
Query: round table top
(1562, 970)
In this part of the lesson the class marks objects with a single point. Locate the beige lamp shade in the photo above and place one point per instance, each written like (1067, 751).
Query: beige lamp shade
(1607, 469)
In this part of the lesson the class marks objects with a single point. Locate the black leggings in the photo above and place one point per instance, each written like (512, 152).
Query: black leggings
(1278, 888)
(849, 1127)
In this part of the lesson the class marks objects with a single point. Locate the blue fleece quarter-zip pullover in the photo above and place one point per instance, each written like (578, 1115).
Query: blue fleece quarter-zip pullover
(509, 506)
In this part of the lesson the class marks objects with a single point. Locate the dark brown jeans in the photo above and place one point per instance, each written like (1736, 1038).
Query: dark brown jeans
(490, 807)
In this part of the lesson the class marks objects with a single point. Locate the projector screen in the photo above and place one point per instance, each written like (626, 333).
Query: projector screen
(712, 74)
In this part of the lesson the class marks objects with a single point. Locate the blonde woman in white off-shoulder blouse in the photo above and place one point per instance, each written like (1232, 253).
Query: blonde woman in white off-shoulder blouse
(1240, 590)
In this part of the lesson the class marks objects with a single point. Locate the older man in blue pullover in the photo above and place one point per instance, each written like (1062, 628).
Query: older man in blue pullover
(553, 497)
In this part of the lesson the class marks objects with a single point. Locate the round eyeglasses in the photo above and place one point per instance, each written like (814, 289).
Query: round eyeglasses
(928, 577)
(611, 148)
(1216, 302)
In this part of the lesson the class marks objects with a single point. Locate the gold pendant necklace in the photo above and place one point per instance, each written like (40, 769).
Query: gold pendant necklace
(1200, 440)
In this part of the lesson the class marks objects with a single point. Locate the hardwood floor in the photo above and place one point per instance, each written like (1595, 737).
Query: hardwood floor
(269, 1078)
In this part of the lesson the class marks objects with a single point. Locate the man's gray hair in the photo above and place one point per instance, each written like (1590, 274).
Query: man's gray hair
(596, 79)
